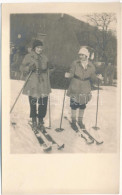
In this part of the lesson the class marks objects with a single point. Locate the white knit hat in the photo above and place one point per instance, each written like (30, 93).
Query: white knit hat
(84, 51)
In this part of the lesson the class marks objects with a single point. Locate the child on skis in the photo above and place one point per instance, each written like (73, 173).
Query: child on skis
(82, 72)
(38, 86)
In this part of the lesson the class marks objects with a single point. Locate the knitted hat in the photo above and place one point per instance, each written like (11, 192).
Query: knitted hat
(84, 51)
(37, 43)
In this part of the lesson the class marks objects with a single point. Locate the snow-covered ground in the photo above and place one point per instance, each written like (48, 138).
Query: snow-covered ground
(23, 140)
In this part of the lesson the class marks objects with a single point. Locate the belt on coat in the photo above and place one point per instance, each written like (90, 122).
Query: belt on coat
(77, 77)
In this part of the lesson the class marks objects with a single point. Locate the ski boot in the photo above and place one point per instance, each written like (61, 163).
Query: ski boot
(41, 121)
(80, 123)
(41, 125)
(74, 126)
(34, 125)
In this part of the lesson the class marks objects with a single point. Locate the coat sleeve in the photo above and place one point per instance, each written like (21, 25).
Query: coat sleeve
(93, 76)
(51, 67)
(72, 70)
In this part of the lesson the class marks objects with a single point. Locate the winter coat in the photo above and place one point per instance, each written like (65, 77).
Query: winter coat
(80, 85)
(38, 84)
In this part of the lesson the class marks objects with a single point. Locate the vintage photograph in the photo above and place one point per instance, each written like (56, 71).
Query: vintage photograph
(63, 83)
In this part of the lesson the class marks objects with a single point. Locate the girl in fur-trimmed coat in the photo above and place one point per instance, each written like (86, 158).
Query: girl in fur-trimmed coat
(38, 86)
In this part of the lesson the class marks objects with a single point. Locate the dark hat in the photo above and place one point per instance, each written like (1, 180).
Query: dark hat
(37, 43)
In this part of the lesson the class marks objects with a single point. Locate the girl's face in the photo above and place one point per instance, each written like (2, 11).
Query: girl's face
(38, 49)
(82, 57)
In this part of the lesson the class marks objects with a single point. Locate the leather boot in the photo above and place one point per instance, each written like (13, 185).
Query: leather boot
(40, 120)
(73, 125)
(34, 125)
(80, 123)
(41, 124)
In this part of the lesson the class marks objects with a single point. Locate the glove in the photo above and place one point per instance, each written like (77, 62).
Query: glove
(67, 75)
(99, 76)
(32, 67)
(100, 79)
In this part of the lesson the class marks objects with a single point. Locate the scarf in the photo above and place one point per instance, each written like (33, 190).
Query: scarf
(84, 64)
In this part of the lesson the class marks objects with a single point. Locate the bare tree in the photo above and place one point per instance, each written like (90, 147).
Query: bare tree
(102, 22)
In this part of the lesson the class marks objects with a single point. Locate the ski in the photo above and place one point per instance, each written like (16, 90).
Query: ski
(47, 146)
(91, 137)
(50, 137)
(81, 132)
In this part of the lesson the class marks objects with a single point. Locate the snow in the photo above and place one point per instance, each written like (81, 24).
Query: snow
(23, 140)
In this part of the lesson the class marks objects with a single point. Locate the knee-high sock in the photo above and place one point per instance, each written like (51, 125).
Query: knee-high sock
(73, 114)
(81, 114)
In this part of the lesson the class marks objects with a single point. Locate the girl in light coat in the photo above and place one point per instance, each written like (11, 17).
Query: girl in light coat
(82, 72)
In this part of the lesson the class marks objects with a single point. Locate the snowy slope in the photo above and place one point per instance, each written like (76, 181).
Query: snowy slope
(24, 141)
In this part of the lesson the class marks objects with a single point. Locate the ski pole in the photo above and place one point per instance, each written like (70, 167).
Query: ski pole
(49, 115)
(95, 127)
(49, 104)
(20, 92)
(61, 129)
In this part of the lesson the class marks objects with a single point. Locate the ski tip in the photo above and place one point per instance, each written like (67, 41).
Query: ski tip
(92, 141)
(60, 147)
(99, 143)
(47, 149)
